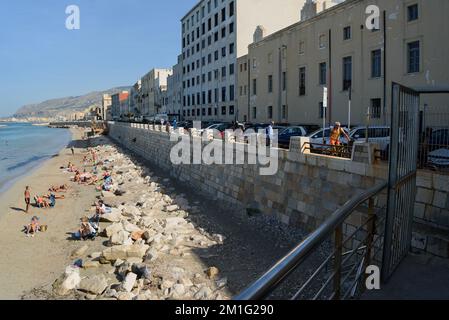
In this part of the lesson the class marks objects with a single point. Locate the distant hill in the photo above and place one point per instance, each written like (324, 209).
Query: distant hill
(64, 106)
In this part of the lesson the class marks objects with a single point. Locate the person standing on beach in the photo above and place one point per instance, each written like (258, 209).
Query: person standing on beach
(27, 195)
(73, 151)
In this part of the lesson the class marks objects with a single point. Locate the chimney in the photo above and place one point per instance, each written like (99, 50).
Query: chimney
(259, 34)
(309, 10)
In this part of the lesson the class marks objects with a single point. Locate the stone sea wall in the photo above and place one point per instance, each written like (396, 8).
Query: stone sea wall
(306, 189)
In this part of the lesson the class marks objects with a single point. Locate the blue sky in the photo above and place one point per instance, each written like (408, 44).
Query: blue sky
(119, 41)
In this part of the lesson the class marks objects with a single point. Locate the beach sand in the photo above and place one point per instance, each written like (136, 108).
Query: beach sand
(27, 263)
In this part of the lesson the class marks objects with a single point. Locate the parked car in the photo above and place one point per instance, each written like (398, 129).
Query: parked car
(316, 138)
(438, 145)
(286, 134)
(376, 134)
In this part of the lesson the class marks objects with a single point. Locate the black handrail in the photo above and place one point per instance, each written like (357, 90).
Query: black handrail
(268, 282)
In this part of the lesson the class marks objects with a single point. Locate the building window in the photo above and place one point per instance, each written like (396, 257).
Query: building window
(223, 94)
(254, 87)
(302, 81)
(347, 33)
(231, 48)
(412, 12)
(231, 27)
(322, 74)
(270, 112)
(231, 110)
(223, 52)
(231, 69)
(302, 47)
(376, 63)
(413, 57)
(270, 84)
(223, 32)
(376, 108)
(231, 8)
(209, 111)
(322, 41)
(284, 112)
(254, 112)
(223, 110)
(321, 111)
(231, 93)
(347, 73)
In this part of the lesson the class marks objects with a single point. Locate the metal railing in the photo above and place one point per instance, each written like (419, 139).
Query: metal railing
(331, 262)
(341, 151)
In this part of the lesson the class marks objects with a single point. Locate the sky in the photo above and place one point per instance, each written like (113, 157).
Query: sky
(118, 42)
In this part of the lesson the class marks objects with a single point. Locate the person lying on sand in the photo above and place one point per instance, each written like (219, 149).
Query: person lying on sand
(41, 202)
(86, 230)
(77, 177)
(33, 227)
(48, 196)
(62, 188)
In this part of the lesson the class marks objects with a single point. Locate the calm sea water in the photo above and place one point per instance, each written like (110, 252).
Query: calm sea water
(24, 147)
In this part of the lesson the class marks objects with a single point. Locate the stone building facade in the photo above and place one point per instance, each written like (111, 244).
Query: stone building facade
(285, 73)
(214, 34)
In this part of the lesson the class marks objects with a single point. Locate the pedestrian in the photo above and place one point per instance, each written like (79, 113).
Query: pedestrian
(175, 124)
(336, 133)
(73, 151)
(270, 134)
(162, 122)
(27, 195)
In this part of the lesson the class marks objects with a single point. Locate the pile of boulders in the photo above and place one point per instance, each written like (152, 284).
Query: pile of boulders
(149, 244)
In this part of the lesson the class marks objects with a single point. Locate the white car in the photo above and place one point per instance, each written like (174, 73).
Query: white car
(316, 138)
(376, 134)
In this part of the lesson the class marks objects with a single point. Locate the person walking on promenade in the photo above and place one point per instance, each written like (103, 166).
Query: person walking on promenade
(27, 195)
(336, 133)
(270, 134)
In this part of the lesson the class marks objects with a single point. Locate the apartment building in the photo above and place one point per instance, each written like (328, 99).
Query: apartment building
(106, 103)
(154, 83)
(119, 105)
(135, 99)
(284, 74)
(214, 34)
(174, 90)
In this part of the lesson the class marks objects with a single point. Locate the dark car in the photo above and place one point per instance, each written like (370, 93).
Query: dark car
(289, 132)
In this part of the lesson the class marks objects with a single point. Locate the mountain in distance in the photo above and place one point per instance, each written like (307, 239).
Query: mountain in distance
(64, 106)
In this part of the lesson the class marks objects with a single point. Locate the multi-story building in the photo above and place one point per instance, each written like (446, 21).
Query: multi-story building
(135, 99)
(119, 105)
(344, 50)
(105, 107)
(214, 34)
(153, 84)
(174, 90)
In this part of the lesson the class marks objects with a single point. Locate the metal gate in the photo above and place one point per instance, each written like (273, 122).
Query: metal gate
(402, 177)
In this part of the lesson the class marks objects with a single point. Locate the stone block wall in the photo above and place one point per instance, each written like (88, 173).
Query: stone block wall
(306, 189)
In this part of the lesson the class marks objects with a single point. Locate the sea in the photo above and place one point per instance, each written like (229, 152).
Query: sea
(24, 147)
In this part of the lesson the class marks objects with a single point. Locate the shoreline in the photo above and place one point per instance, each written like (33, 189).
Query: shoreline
(46, 253)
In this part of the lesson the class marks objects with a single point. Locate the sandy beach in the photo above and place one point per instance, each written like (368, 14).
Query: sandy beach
(27, 263)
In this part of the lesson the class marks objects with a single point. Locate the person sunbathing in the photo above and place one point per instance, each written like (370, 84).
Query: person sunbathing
(62, 188)
(77, 177)
(48, 196)
(41, 202)
(33, 227)
(86, 230)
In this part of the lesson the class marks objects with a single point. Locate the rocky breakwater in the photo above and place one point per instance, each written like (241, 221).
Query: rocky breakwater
(147, 244)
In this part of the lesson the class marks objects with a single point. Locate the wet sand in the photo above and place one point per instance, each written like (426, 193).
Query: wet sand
(27, 263)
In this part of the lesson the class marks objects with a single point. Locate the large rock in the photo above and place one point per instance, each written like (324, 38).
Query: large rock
(174, 222)
(130, 227)
(70, 280)
(113, 229)
(129, 282)
(120, 238)
(131, 211)
(125, 252)
(172, 208)
(94, 284)
(114, 216)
